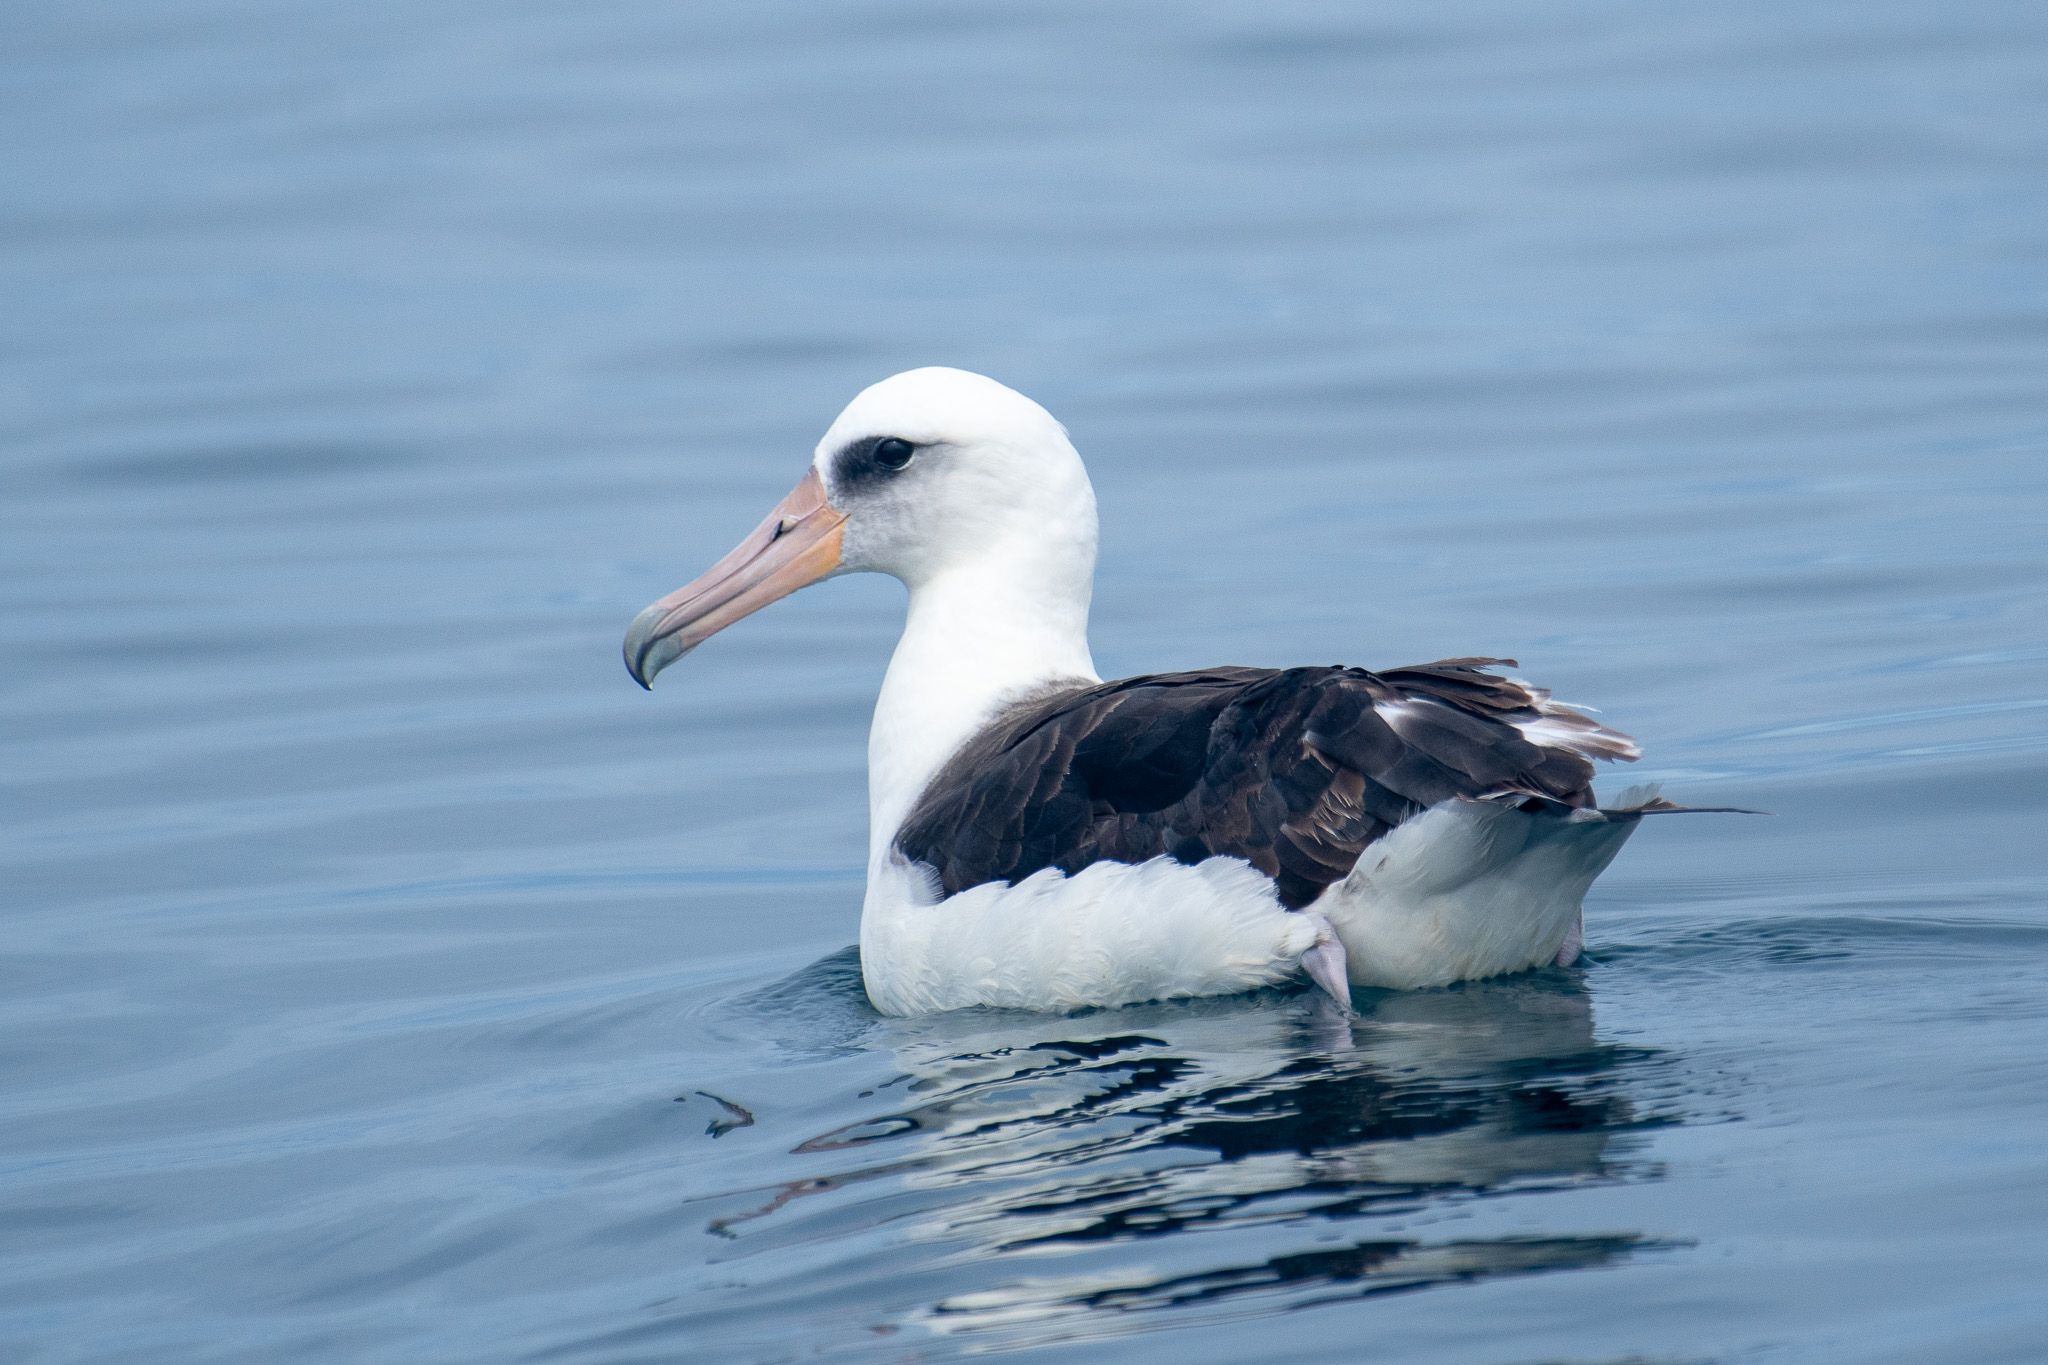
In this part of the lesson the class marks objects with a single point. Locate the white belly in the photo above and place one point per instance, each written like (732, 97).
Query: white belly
(1111, 934)
(1469, 889)
(1464, 890)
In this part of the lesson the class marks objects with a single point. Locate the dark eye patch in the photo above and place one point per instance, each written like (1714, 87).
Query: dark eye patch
(870, 461)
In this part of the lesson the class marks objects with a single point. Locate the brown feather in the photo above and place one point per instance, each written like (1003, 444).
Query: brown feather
(1296, 771)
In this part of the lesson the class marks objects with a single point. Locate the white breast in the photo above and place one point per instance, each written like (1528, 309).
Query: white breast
(1111, 934)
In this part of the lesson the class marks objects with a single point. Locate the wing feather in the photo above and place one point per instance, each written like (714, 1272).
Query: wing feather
(1296, 771)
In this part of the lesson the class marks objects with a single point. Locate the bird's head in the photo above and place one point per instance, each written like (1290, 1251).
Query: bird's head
(929, 473)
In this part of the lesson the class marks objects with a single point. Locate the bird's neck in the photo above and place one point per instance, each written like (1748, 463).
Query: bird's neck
(976, 637)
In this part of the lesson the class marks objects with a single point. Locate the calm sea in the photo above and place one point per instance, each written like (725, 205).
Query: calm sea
(386, 979)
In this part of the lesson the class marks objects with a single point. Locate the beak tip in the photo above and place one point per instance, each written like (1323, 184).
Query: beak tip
(639, 650)
(648, 650)
(637, 668)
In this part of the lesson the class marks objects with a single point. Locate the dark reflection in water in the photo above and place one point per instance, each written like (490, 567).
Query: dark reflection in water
(1035, 1141)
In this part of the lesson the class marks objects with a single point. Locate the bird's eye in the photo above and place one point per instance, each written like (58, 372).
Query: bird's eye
(894, 453)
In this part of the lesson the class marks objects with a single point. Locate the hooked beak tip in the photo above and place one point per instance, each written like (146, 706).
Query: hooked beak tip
(647, 651)
(634, 672)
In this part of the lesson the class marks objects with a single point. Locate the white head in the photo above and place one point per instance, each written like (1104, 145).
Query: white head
(933, 476)
(936, 468)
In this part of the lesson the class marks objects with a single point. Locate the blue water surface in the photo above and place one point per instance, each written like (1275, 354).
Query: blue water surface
(386, 979)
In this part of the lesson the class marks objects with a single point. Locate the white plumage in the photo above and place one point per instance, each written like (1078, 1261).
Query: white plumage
(973, 496)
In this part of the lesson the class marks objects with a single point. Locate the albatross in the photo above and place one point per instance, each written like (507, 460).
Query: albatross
(1042, 839)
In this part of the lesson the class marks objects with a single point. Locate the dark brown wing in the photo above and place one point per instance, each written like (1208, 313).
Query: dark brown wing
(1295, 771)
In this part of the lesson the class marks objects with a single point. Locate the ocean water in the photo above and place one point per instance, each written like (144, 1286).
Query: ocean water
(387, 979)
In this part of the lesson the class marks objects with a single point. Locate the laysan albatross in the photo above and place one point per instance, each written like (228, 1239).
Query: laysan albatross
(1042, 839)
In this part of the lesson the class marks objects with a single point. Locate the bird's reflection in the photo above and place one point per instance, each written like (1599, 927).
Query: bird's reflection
(1173, 1126)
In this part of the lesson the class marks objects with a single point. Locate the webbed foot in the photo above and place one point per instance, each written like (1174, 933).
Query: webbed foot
(1325, 963)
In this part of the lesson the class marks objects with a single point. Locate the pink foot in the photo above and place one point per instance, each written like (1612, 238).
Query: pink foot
(1574, 941)
(1324, 962)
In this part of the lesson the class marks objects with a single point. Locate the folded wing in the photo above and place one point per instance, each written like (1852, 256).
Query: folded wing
(1297, 771)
